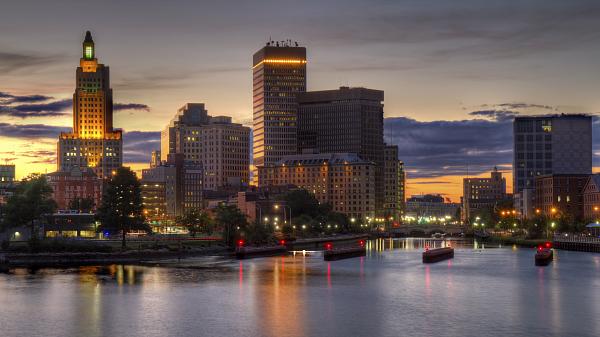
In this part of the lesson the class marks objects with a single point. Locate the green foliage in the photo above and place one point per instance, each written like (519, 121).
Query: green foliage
(301, 201)
(121, 208)
(196, 221)
(83, 205)
(31, 200)
(232, 221)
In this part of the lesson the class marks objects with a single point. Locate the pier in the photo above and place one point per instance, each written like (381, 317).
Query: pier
(582, 243)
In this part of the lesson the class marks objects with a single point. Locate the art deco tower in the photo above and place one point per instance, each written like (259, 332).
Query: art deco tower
(93, 142)
(279, 74)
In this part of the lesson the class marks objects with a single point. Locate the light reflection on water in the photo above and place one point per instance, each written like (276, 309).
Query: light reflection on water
(483, 291)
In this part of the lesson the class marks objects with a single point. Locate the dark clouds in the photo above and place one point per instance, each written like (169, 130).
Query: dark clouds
(130, 106)
(26, 106)
(137, 145)
(17, 61)
(438, 148)
(31, 131)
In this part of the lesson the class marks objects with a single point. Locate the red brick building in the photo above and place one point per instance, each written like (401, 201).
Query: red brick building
(591, 198)
(560, 195)
(76, 183)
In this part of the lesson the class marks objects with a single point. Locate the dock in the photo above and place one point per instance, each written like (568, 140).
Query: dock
(250, 252)
(581, 243)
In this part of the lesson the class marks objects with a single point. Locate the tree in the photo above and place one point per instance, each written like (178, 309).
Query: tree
(31, 200)
(229, 218)
(83, 205)
(301, 201)
(195, 221)
(121, 208)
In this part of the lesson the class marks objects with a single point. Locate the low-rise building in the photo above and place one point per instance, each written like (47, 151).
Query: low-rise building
(560, 195)
(591, 198)
(482, 194)
(171, 189)
(343, 180)
(77, 183)
(430, 207)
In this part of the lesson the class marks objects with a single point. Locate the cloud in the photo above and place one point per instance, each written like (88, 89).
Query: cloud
(27, 106)
(52, 109)
(137, 145)
(14, 62)
(439, 148)
(130, 106)
(495, 114)
(31, 131)
(6, 98)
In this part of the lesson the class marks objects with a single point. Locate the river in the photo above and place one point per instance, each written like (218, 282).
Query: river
(483, 291)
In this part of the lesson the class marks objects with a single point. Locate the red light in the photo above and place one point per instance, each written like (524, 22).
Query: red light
(427, 248)
(548, 245)
(282, 242)
(240, 243)
(540, 247)
(328, 246)
(361, 243)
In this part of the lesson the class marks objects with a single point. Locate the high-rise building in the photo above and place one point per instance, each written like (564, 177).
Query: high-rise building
(402, 187)
(344, 180)
(93, 142)
(220, 146)
(279, 74)
(545, 145)
(345, 120)
(393, 176)
(482, 194)
(171, 189)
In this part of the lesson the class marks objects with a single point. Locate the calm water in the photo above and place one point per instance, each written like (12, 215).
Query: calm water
(481, 292)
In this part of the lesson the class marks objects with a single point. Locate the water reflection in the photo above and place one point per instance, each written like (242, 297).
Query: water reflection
(490, 292)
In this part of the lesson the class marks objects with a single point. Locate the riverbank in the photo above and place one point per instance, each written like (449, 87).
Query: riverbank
(70, 259)
(515, 241)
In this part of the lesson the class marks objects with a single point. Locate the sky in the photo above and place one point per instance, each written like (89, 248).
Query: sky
(454, 73)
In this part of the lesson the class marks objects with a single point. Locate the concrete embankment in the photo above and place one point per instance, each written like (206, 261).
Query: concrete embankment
(317, 243)
(80, 259)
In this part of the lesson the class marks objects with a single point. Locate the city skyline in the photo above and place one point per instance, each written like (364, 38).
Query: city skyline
(35, 105)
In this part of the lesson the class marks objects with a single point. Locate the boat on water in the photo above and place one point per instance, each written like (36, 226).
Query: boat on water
(544, 255)
(438, 235)
(437, 254)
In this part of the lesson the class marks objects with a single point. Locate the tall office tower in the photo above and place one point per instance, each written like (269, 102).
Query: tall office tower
(345, 120)
(279, 74)
(93, 142)
(550, 144)
(402, 187)
(393, 172)
(220, 146)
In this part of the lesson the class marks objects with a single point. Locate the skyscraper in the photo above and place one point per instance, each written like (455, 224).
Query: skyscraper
(220, 146)
(93, 142)
(550, 144)
(279, 74)
(345, 120)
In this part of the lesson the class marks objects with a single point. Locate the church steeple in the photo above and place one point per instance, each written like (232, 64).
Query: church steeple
(88, 47)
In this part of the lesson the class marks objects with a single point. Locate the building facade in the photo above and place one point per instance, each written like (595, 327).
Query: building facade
(430, 207)
(345, 120)
(7, 182)
(402, 187)
(393, 182)
(591, 198)
(546, 145)
(77, 183)
(481, 194)
(344, 180)
(218, 145)
(172, 189)
(93, 143)
(279, 74)
(560, 195)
